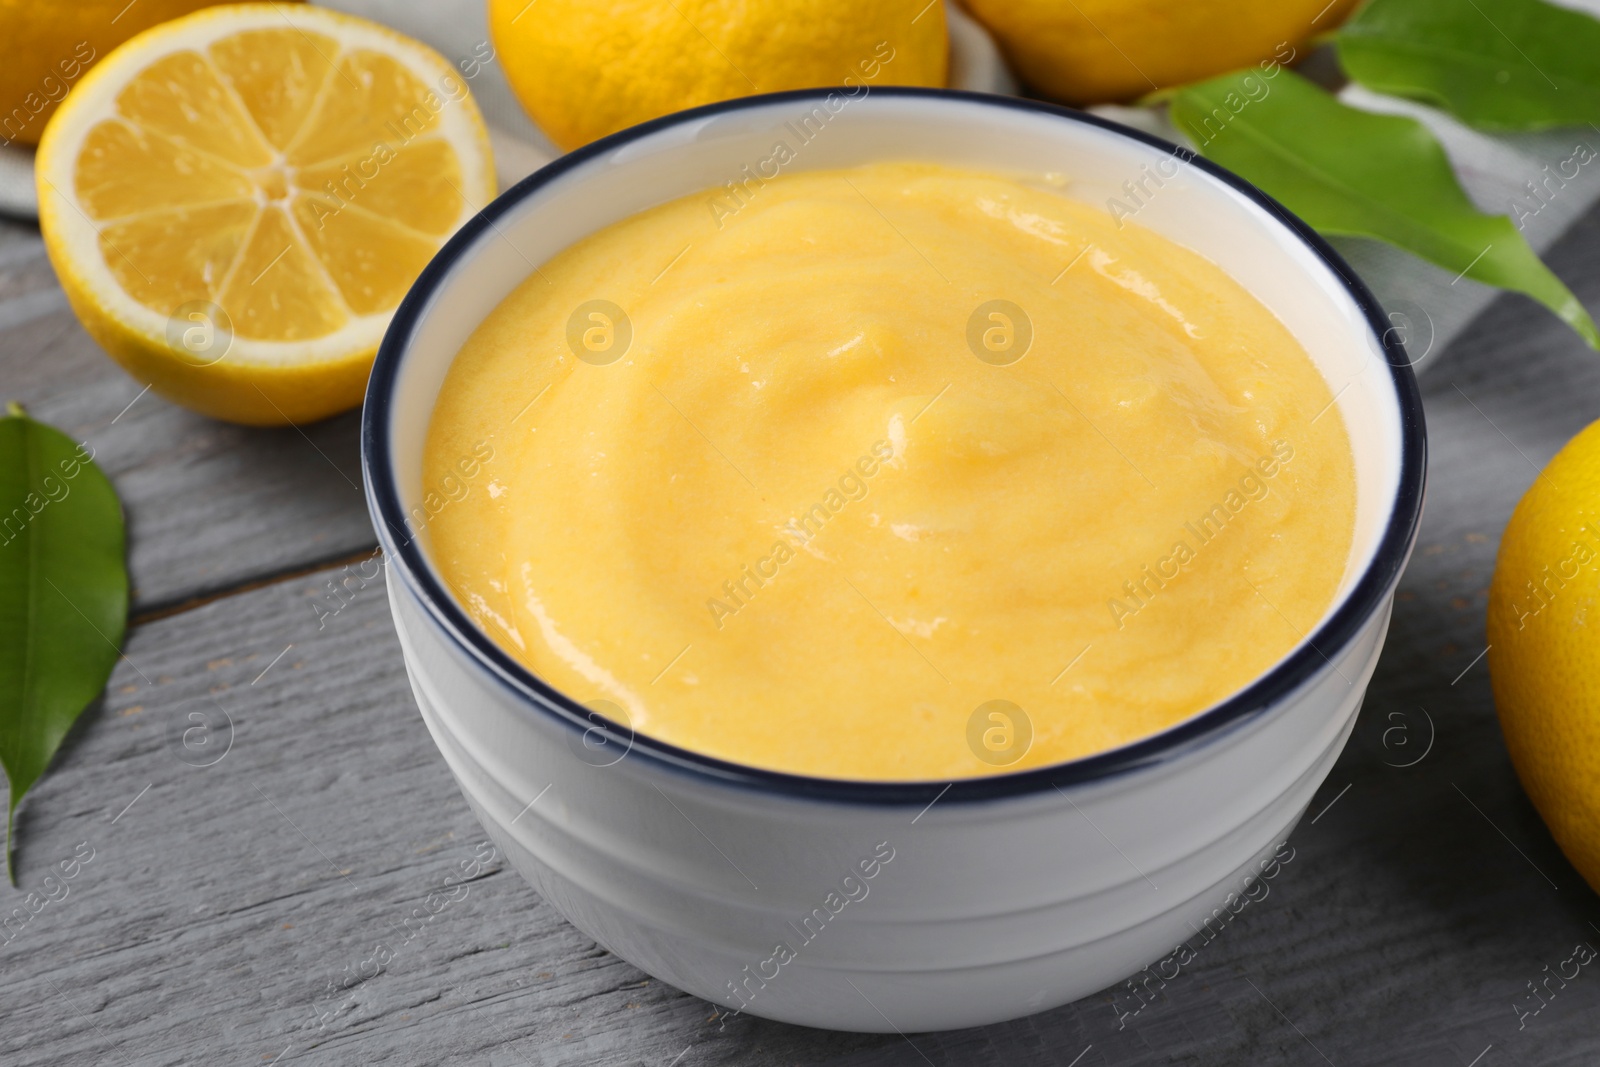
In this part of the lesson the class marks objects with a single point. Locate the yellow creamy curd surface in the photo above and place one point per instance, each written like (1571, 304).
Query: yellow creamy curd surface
(802, 506)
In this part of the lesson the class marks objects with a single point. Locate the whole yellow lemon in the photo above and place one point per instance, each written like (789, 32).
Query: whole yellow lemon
(1544, 661)
(49, 46)
(586, 68)
(1102, 51)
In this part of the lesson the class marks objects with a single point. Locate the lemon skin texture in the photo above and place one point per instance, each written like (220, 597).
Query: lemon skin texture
(1544, 658)
(584, 69)
(1106, 51)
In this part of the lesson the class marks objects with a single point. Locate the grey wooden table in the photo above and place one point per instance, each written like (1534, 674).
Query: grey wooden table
(261, 902)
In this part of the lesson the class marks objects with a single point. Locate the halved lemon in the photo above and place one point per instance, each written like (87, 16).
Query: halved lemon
(237, 200)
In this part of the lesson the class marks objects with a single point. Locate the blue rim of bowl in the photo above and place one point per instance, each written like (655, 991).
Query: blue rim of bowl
(1255, 700)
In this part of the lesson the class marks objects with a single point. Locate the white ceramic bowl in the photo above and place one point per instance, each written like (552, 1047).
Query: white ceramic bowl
(903, 906)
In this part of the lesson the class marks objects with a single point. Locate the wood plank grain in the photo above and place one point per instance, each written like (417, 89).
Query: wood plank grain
(210, 505)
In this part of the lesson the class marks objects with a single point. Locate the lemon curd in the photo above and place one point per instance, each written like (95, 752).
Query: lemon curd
(895, 472)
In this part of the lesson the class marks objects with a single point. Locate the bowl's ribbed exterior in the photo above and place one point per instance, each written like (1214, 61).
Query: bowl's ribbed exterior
(986, 911)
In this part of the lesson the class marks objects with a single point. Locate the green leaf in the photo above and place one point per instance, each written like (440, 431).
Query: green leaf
(1347, 171)
(1496, 64)
(63, 595)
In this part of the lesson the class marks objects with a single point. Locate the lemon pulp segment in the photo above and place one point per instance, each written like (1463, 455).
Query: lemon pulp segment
(236, 201)
(237, 175)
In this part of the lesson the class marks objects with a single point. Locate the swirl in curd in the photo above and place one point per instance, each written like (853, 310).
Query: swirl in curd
(899, 472)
